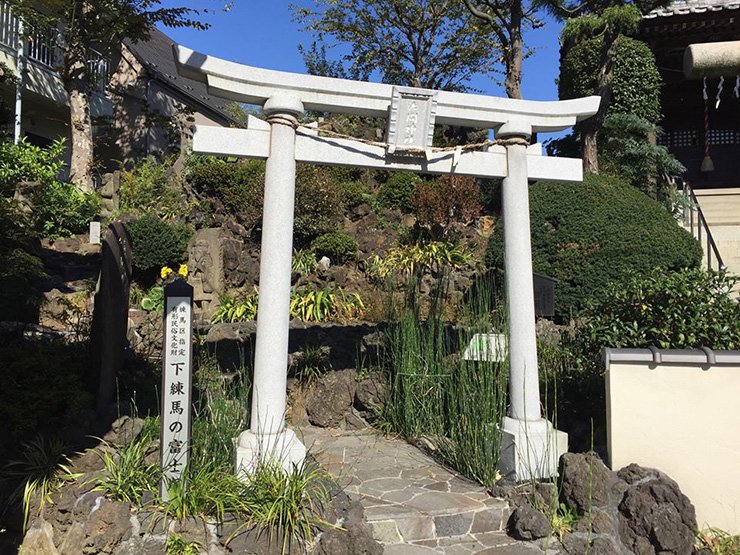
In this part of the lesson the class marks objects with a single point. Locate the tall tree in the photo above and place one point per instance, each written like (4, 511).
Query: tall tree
(607, 20)
(81, 26)
(432, 44)
(506, 18)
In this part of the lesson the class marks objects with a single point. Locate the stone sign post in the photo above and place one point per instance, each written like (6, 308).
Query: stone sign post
(177, 382)
(531, 446)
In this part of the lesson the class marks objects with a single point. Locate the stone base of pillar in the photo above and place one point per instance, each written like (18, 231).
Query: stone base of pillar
(531, 449)
(284, 447)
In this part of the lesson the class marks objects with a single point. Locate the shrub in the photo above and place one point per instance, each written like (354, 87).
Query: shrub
(588, 234)
(636, 84)
(337, 245)
(61, 210)
(687, 309)
(149, 188)
(26, 162)
(156, 243)
(311, 363)
(440, 203)
(319, 202)
(354, 193)
(127, 474)
(306, 303)
(311, 304)
(238, 186)
(398, 192)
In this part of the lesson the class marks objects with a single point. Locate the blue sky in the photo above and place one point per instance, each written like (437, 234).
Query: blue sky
(262, 34)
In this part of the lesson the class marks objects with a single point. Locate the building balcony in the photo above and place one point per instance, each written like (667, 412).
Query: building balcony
(42, 58)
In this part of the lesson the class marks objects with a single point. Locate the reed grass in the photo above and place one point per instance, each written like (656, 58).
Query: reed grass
(457, 404)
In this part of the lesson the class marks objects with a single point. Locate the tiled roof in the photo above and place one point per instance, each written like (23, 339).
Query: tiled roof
(687, 7)
(156, 55)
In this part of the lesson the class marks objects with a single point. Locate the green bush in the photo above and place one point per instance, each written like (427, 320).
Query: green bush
(354, 193)
(337, 245)
(398, 192)
(636, 85)
(155, 243)
(61, 210)
(150, 188)
(237, 185)
(687, 309)
(25, 162)
(588, 234)
(319, 202)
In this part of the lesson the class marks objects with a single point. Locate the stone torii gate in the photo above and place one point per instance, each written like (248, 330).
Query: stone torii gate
(531, 446)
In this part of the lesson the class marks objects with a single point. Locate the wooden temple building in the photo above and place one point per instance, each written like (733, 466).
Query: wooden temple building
(692, 125)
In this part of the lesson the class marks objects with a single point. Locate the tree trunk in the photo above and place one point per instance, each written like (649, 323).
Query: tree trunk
(590, 149)
(514, 53)
(590, 128)
(78, 87)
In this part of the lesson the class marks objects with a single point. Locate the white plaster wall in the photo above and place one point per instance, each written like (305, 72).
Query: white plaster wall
(685, 421)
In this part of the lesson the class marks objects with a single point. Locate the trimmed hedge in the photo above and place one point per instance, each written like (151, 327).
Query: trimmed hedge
(636, 85)
(337, 245)
(155, 243)
(589, 234)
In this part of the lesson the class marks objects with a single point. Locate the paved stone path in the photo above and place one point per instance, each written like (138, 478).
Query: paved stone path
(414, 505)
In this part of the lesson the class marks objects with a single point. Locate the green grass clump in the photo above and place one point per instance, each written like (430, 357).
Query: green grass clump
(718, 542)
(311, 363)
(127, 475)
(40, 470)
(178, 545)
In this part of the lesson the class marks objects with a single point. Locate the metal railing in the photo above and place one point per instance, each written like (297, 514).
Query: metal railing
(694, 220)
(41, 47)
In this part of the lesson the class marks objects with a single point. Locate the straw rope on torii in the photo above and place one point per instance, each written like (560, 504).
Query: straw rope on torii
(531, 446)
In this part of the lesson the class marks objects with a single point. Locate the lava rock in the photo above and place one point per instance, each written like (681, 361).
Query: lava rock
(331, 398)
(585, 481)
(526, 523)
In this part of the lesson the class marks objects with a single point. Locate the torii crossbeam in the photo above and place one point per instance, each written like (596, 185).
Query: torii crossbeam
(531, 446)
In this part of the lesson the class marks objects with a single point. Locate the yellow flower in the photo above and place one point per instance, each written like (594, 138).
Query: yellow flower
(183, 271)
(166, 270)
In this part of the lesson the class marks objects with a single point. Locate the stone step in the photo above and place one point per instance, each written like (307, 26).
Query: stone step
(412, 503)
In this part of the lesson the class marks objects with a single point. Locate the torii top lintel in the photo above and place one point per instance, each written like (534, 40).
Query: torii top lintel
(255, 85)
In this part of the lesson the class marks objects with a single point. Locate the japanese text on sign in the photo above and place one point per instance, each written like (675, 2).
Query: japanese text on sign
(176, 389)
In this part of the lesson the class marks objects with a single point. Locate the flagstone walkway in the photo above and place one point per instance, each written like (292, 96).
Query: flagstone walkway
(414, 505)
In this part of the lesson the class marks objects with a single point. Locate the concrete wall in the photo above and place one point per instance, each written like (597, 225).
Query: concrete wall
(679, 412)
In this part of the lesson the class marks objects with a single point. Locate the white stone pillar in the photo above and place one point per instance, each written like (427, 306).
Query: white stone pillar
(267, 436)
(531, 446)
